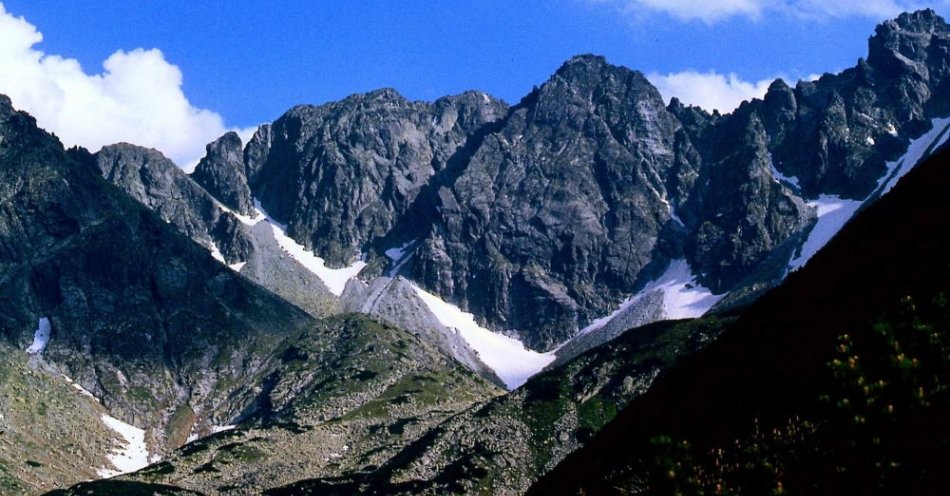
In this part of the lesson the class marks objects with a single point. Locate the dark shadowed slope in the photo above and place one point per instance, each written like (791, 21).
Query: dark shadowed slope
(772, 363)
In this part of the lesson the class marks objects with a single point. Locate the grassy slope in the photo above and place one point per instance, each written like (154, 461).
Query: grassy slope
(342, 397)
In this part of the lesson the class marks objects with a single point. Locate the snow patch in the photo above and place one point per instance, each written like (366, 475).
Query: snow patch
(782, 178)
(917, 150)
(891, 129)
(249, 221)
(216, 253)
(40, 337)
(833, 213)
(398, 256)
(334, 279)
(132, 455)
(507, 357)
(870, 141)
(683, 297)
(83, 391)
(673, 216)
(221, 428)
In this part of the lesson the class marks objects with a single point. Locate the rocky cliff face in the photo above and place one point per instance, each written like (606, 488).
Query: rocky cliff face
(341, 175)
(156, 182)
(561, 209)
(544, 216)
(159, 334)
(141, 316)
(180, 200)
(221, 173)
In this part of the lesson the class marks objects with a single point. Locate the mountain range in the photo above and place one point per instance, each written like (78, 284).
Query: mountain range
(384, 296)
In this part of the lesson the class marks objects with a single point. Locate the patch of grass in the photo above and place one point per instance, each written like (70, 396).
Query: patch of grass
(193, 448)
(592, 415)
(141, 396)
(240, 453)
(179, 424)
(163, 468)
(207, 468)
(423, 389)
(365, 375)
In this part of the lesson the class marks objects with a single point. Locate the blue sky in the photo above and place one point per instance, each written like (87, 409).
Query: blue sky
(244, 62)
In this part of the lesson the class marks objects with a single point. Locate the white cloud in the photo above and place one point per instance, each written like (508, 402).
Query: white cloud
(709, 90)
(879, 9)
(718, 10)
(137, 98)
(707, 11)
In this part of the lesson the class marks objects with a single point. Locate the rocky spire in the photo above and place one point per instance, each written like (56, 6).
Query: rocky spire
(221, 173)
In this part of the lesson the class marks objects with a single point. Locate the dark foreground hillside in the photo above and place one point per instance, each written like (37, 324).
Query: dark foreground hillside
(833, 383)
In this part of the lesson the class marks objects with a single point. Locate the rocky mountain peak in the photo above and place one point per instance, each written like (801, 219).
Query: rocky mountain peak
(342, 173)
(626, 104)
(925, 21)
(255, 153)
(383, 95)
(124, 159)
(6, 107)
(588, 76)
(221, 172)
(574, 199)
(903, 43)
(587, 62)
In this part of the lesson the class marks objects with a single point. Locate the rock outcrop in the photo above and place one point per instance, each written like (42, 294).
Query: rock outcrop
(221, 173)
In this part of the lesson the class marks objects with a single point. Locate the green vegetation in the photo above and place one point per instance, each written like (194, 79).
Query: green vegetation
(420, 389)
(880, 429)
(179, 424)
(239, 453)
(592, 415)
(154, 472)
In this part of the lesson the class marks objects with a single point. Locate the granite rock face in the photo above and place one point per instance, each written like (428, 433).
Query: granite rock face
(221, 173)
(172, 341)
(159, 184)
(340, 175)
(742, 213)
(540, 217)
(156, 182)
(561, 210)
(141, 316)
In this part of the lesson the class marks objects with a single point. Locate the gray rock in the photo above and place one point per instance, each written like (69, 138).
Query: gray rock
(159, 184)
(544, 216)
(556, 214)
(392, 300)
(221, 173)
(142, 316)
(340, 175)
